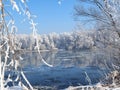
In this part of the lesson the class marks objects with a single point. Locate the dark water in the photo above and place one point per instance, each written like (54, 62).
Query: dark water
(63, 77)
(69, 68)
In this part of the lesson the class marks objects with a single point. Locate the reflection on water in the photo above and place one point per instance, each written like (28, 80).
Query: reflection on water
(83, 58)
(69, 67)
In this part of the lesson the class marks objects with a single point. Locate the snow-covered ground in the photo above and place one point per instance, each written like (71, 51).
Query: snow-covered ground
(91, 88)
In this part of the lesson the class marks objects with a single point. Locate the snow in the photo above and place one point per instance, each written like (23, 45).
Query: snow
(13, 88)
(76, 40)
(90, 88)
(71, 41)
(72, 88)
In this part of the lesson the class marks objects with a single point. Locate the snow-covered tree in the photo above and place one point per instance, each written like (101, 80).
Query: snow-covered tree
(105, 13)
(9, 45)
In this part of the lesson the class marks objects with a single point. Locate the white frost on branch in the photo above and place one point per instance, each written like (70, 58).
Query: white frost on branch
(23, 1)
(15, 6)
(59, 2)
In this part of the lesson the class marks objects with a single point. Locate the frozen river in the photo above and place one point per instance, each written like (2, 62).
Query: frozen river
(69, 68)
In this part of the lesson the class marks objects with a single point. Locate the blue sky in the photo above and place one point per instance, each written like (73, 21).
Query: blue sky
(51, 17)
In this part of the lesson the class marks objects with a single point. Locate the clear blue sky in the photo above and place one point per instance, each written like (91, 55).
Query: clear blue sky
(51, 17)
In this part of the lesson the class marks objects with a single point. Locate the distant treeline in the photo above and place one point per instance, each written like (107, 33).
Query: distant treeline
(76, 40)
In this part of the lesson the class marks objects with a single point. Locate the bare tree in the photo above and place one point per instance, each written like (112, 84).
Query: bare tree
(103, 12)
